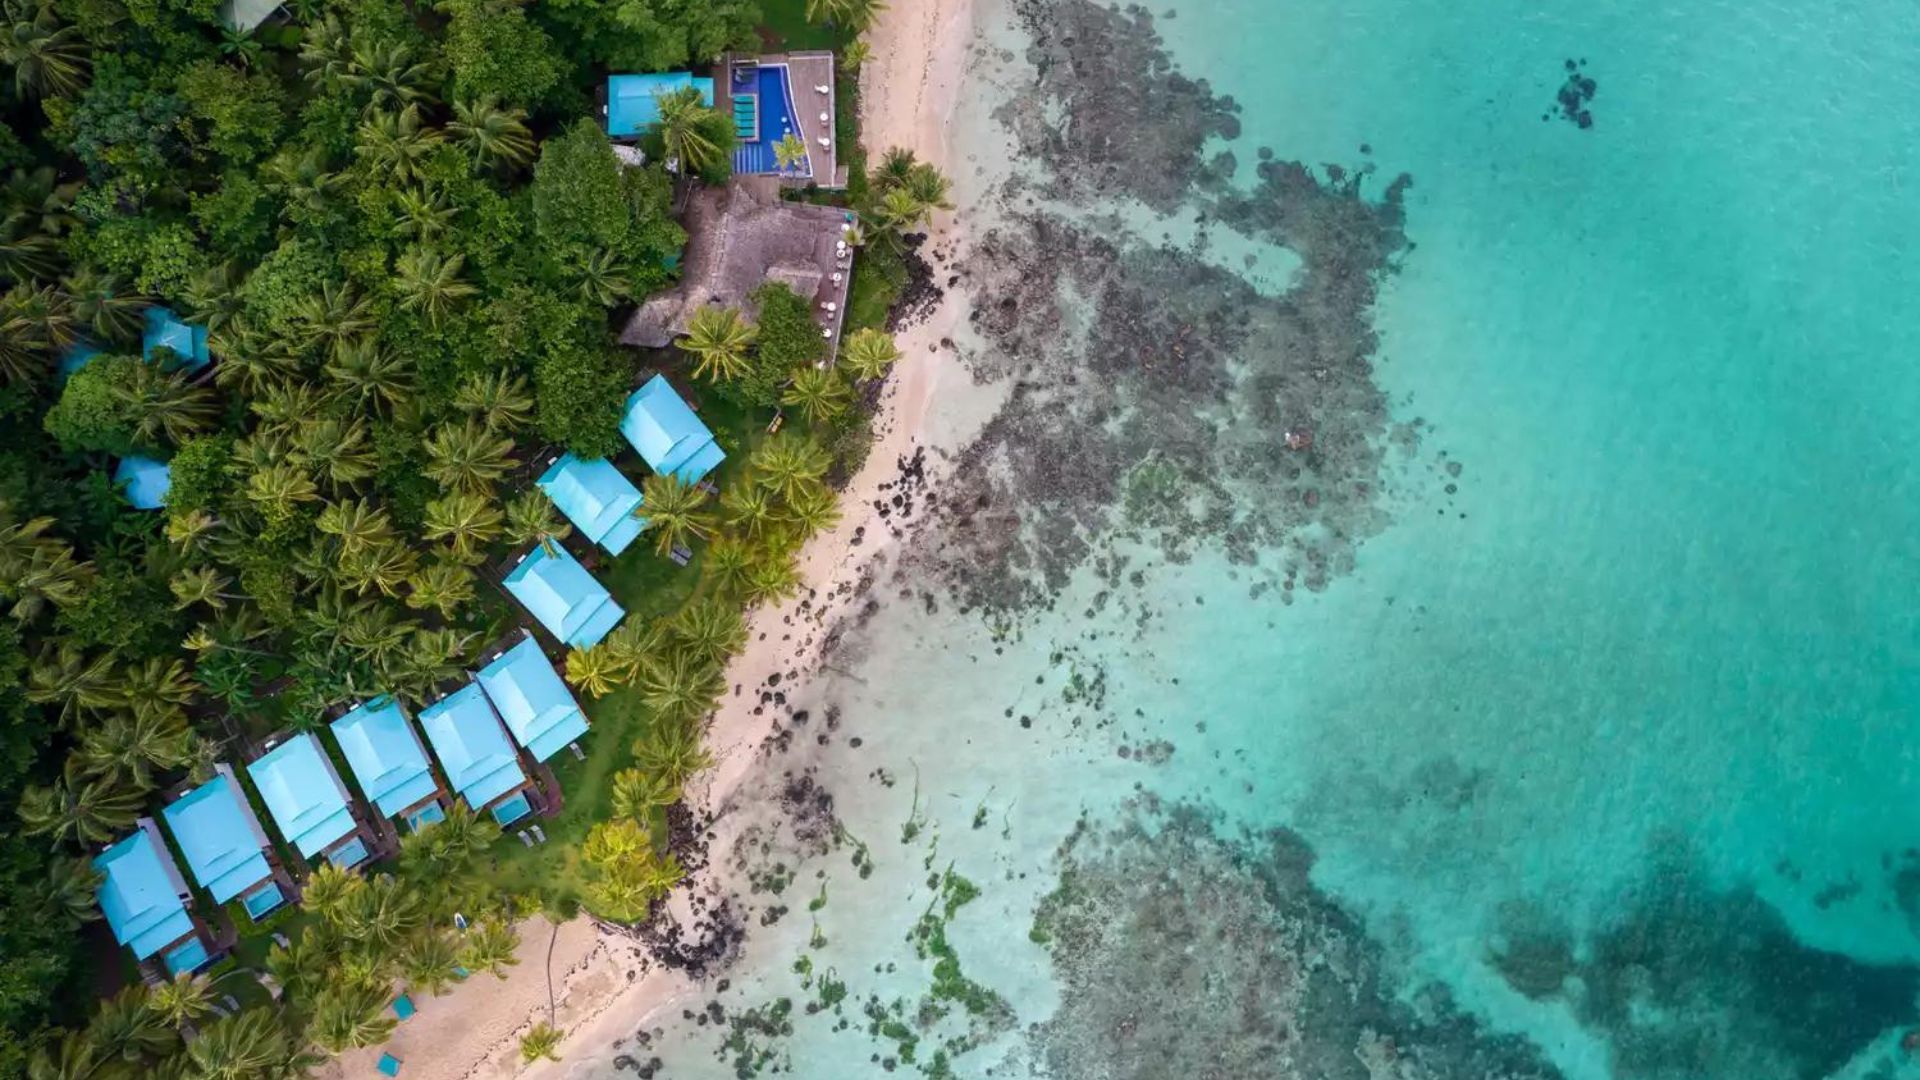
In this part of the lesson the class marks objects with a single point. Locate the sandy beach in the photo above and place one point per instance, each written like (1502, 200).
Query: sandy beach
(604, 988)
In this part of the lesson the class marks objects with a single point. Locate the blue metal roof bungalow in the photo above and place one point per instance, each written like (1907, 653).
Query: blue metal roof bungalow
(387, 759)
(147, 481)
(633, 101)
(226, 849)
(164, 329)
(669, 437)
(75, 356)
(529, 695)
(597, 498)
(566, 599)
(147, 903)
(480, 763)
(308, 803)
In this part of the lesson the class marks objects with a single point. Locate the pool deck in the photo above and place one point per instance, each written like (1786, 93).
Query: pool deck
(806, 72)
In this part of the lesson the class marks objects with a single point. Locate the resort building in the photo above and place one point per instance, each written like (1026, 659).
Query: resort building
(387, 759)
(480, 763)
(225, 847)
(740, 237)
(669, 437)
(532, 699)
(245, 16)
(164, 329)
(549, 582)
(308, 803)
(75, 356)
(771, 98)
(147, 481)
(597, 498)
(633, 101)
(147, 903)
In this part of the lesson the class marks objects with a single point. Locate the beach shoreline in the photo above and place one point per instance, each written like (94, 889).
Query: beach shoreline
(605, 987)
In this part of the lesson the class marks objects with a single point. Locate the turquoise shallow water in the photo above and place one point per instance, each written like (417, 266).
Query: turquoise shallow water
(1643, 688)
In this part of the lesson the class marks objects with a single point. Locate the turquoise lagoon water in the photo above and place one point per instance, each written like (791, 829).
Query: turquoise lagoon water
(1647, 676)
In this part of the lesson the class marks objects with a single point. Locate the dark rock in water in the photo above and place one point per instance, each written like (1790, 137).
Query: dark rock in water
(1574, 96)
(1181, 954)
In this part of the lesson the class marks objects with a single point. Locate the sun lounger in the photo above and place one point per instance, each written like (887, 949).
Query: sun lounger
(524, 838)
(538, 834)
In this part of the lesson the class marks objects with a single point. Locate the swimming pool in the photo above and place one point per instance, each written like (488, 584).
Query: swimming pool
(263, 900)
(513, 809)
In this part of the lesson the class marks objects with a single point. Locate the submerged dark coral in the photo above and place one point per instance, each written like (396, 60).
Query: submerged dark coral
(1183, 954)
(1153, 392)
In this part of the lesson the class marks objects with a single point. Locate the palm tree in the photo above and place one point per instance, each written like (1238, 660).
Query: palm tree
(356, 523)
(216, 296)
(431, 657)
(788, 461)
(200, 585)
(305, 965)
(681, 686)
(126, 1027)
(814, 509)
(895, 166)
(685, 121)
(541, 1041)
(423, 214)
(631, 645)
(729, 560)
(329, 890)
(384, 566)
(789, 153)
(335, 317)
(183, 999)
(868, 353)
(440, 586)
(897, 212)
(772, 579)
(673, 751)
(84, 809)
(531, 517)
(498, 398)
(387, 71)
(674, 511)
(350, 1016)
(166, 405)
(855, 54)
(71, 891)
(928, 187)
(338, 451)
(326, 52)
(490, 946)
(250, 361)
(367, 376)
(636, 792)
(820, 395)
(749, 507)
(601, 279)
(466, 521)
(448, 847)
(430, 283)
(710, 630)
(46, 57)
(127, 749)
(396, 146)
(592, 670)
(468, 457)
(243, 1046)
(105, 304)
(278, 490)
(380, 913)
(25, 350)
(493, 135)
(718, 339)
(304, 180)
(430, 961)
(67, 677)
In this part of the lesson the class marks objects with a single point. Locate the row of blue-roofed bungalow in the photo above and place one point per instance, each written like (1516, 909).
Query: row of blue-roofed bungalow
(226, 849)
(532, 699)
(160, 328)
(390, 764)
(309, 804)
(479, 761)
(148, 905)
(600, 501)
(552, 585)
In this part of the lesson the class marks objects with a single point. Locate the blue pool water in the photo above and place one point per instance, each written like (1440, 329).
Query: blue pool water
(511, 810)
(427, 815)
(349, 855)
(770, 82)
(263, 900)
(191, 956)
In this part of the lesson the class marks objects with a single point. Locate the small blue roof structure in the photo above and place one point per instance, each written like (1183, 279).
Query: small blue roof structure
(303, 794)
(222, 840)
(142, 893)
(472, 747)
(597, 498)
(386, 756)
(75, 356)
(566, 599)
(633, 101)
(530, 696)
(667, 434)
(188, 342)
(147, 480)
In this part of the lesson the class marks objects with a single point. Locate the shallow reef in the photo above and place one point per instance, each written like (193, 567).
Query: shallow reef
(1181, 952)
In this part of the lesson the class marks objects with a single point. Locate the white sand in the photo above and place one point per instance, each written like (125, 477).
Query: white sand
(908, 94)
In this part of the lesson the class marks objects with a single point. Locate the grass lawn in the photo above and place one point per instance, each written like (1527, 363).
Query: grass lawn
(785, 28)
